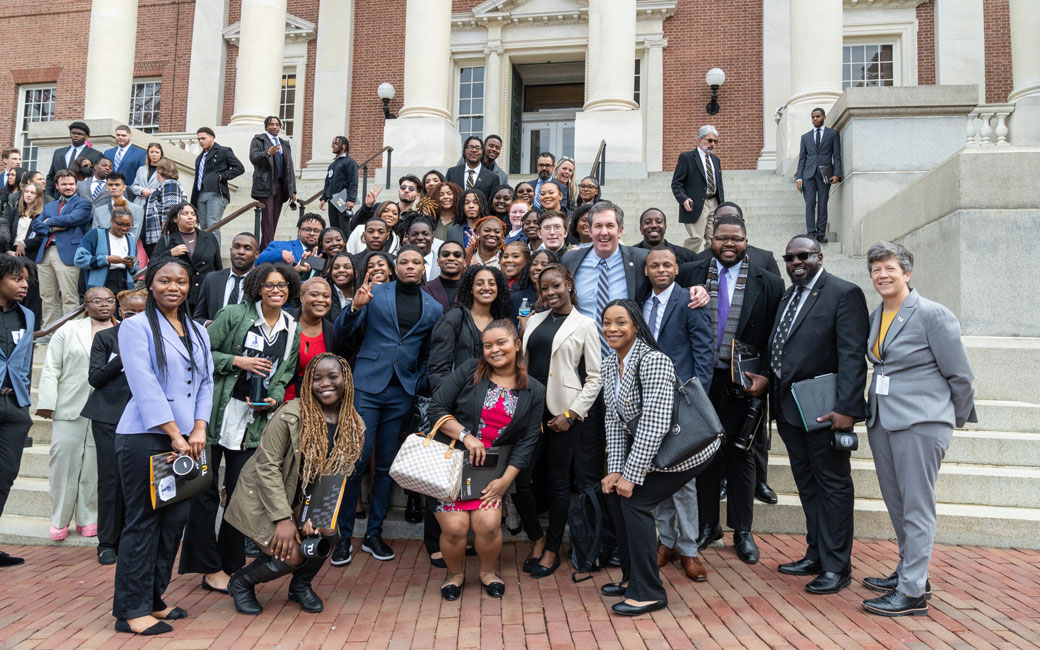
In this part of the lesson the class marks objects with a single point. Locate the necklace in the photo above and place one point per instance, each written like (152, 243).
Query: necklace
(553, 315)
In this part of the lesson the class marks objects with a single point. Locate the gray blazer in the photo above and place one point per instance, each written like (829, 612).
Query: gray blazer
(83, 189)
(930, 376)
(103, 216)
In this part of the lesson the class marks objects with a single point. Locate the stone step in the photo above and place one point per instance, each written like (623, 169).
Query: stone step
(35, 461)
(30, 497)
(1005, 367)
(1006, 415)
(18, 530)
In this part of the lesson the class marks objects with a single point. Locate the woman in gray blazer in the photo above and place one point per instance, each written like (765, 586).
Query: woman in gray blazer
(921, 389)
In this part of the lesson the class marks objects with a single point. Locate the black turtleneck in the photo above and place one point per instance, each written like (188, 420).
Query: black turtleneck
(409, 306)
(451, 288)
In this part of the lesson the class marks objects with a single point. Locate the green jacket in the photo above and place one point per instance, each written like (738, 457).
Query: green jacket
(227, 335)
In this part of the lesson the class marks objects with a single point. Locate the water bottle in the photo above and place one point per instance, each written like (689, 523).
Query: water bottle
(525, 308)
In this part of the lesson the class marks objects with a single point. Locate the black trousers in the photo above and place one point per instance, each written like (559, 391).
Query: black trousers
(735, 464)
(524, 498)
(110, 491)
(148, 544)
(815, 192)
(637, 532)
(564, 462)
(203, 550)
(761, 450)
(824, 480)
(590, 453)
(14, 429)
(338, 220)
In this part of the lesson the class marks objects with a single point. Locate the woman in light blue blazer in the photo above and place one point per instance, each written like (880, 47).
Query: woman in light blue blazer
(109, 255)
(921, 389)
(171, 382)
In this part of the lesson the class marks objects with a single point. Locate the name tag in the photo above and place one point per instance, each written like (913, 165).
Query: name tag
(330, 173)
(881, 388)
(17, 335)
(254, 342)
(112, 356)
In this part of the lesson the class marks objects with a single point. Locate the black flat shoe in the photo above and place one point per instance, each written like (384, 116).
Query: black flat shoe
(802, 567)
(539, 571)
(495, 589)
(451, 592)
(708, 536)
(747, 550)
(625, 609)
(176, 614)
(885, 585)
(10, 560)
(613, 589)
(438, 562)
(530, 563)
(615, 557)
(159, 628)
(829, 582)
(895, 604)
(106, 557)
(208, 587)
(765, 494)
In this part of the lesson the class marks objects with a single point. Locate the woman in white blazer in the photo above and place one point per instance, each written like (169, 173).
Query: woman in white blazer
(145, 180)
(63, 392)
(562, 350)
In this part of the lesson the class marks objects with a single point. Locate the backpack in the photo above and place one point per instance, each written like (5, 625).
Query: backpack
(592, 532)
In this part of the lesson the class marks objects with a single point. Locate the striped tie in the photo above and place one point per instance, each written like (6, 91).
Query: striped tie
(469, 180)
(97, 189)
(602, 298)
(709, 174)
(119, 158)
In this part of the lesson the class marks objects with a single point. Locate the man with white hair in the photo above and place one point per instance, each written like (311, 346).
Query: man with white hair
(697, 186)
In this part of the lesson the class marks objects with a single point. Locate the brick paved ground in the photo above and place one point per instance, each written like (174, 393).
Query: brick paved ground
(984, 598)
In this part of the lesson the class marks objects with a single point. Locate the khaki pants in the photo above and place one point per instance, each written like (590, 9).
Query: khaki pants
(700, 231)
(73, 473)
(57, 278)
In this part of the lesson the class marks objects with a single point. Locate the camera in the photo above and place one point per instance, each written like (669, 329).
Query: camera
(315, 546)
(186, 468)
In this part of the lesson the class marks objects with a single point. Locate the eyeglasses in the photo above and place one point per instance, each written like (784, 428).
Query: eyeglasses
(271, 286)
(711, 140)
(408, 188)
(545, 165)
(735, 240)
(312, 231)
(474, 147)
(102, 301)
(457, 254)
(790, 257)
(586, 186)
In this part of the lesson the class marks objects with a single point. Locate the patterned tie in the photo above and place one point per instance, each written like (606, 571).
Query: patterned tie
(469, 180)
(119, 157)
(97, 189)
(723, 314)
(202, 166)
(709, 174)
(653, 317)
(236, 292)
(602, 298)
(781, 332)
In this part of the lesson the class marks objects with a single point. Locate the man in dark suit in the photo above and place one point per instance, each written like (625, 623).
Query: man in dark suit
(821, 327)
(60, 228)
(760, 257)
(820, 147)
(742, 308)
(545, 164)
(274, 180)
(685, 336)
(93, 188)
(471, 174)
(342, 175)
(222, 288)
(652, 226)
(697, 186)
(63, 157)
(214, 167)
(126, 157)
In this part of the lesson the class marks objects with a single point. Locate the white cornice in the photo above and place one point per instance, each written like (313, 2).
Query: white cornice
(297, 30)
(882, 4)
(505, 12)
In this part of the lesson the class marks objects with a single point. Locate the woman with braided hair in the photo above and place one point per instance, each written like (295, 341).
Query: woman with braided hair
(328, 433)
(487, 244)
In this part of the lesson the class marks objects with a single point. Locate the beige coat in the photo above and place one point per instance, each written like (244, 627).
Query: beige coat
(63, 384)
(578, 336)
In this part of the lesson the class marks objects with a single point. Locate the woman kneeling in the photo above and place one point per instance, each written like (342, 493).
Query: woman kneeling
(328, 433)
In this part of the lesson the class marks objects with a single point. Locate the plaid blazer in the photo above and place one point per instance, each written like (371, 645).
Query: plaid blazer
(651, 397)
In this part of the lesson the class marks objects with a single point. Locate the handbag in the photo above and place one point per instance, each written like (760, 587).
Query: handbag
(429, 466)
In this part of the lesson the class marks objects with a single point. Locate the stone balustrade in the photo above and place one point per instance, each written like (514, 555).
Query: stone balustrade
(988, 125)
(187, 141)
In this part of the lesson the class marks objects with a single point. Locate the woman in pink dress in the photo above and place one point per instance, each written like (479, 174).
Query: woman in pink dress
(493, 403)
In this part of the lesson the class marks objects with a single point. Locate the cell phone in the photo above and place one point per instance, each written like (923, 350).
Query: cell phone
(490, 461)
(257, 403)
(317, 263)
(130, 261)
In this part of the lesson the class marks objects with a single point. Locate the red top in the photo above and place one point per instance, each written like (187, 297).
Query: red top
(310, 347)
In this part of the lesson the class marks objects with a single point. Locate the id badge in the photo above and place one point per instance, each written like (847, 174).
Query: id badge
(254, 342)
(881, 387)
(17, 335)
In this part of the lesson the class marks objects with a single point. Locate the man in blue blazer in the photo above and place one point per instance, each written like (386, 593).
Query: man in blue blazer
(683, 334)
(820, 147)
(308, 230)
(390, 370)
(126, 157)
(60, 228)
(16, 347)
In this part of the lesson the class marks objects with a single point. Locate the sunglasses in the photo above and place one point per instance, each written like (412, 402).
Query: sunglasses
(457, 254)
(790, 257)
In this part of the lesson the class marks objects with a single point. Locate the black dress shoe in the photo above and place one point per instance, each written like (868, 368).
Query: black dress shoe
(10, 560)
(885, 585)
(802, 567)
(625, 609)
(829, 582)
(747, 550)
(822, 239)
(615, 557)
(895, 603)
(106, 556)
(159, 628)
(451, 592)
(413, 512)
(765, 494)
(495, 589)
(708, 535)
(539, 571)
(723, 487)
(614, 589)
(208, 587)
(251, 549)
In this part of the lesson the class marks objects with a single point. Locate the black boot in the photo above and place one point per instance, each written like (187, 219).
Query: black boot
(262, 569)
(300, 590)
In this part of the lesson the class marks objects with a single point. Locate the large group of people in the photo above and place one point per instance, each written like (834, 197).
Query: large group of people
(502, 316)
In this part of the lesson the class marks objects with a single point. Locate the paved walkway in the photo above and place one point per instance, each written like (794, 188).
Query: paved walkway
(984, 598)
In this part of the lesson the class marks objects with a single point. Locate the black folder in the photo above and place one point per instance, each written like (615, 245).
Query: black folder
(744, 358)
(815, 398)
(165, 487)
(322, 505)
(475, 479)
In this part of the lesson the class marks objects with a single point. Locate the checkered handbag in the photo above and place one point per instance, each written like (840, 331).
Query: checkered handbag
(428, 466)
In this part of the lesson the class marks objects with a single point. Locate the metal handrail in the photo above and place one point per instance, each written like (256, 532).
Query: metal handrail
(364, 169)
(58, 323)
(599, 164)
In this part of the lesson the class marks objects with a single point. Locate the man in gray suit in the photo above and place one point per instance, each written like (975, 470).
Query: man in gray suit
(115, 186)
(921, 389)
(820, 147)
(93, 188)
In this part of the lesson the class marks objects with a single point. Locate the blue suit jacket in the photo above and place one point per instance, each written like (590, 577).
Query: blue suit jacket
(383, 350)
(20, 363)
(75, 218)
(273, 252)
(132, 160)
(686, 338)
(181, 396)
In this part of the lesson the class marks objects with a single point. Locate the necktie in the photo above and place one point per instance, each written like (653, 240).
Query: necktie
(537, 194)
(782, 331)
(236, 291)
(817, 138)
(602, 298)
(709, 174)
(70, 156)
(97, 189)
(469, 180)
(202, 166)
(653, 316)
(119, 157)
(723, 314)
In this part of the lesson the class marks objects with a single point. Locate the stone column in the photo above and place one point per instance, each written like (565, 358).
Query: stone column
(425, 134)
(110, 59)
(206, 73)
(960, 44)
(261, 51)
(653, 103)
(493, 118)
(332, 81)
(1025, 52)
(776, 73)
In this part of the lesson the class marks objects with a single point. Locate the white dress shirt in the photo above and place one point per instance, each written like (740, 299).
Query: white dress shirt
(648, 306)
(230, 284)
(73, 153)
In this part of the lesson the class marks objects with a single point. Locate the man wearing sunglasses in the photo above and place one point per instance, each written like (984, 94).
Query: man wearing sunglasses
(697, 186)
(451, 262)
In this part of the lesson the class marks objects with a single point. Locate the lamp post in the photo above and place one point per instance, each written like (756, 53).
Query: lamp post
(386, 92)
(715, 78)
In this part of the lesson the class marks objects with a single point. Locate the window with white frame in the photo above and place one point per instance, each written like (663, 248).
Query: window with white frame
(638, 79)
(287, 103)
(868, 64)
(145, 95)
(35, 104)
(471, 102)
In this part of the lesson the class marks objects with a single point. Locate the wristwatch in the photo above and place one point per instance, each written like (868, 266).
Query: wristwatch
(463, 434)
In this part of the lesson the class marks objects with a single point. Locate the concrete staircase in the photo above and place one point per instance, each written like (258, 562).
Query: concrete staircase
(989, 485)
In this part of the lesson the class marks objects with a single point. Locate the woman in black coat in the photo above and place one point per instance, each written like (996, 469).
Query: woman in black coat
(183, 238)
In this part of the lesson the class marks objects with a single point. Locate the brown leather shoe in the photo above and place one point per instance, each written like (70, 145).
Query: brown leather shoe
(694, 569)
(666, 555)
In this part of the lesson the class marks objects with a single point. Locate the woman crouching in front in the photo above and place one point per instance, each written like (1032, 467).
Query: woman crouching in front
(638, 380)
(493, 403)
(318, 434)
